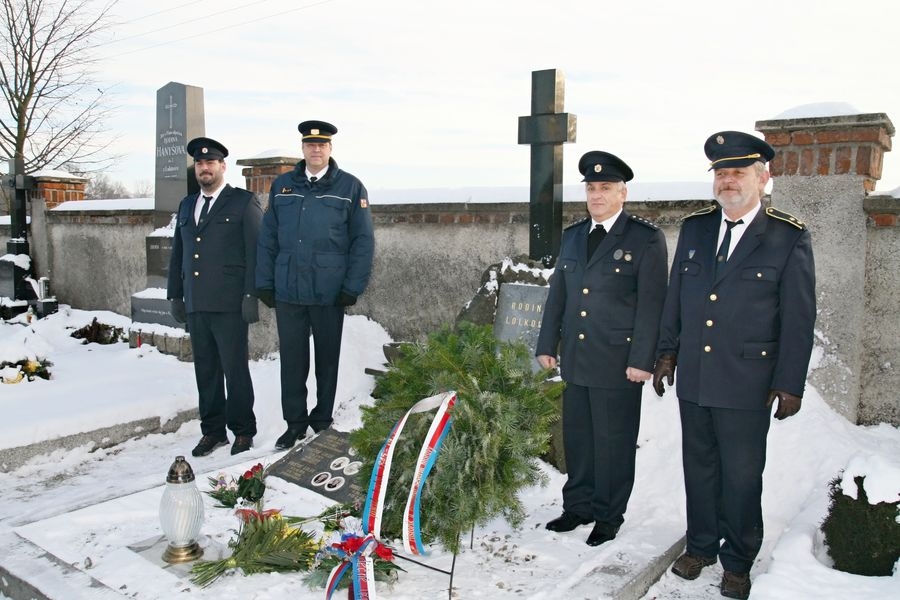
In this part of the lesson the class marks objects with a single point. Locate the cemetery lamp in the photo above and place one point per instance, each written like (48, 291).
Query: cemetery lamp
(181, 513)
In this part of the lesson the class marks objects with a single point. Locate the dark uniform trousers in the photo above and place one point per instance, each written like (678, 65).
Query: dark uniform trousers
(295, 322)
(219, 343)
(724, 456)
(600, 430)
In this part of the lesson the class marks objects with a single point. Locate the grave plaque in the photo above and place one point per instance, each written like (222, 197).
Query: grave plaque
(159, 250)
(327, 465)
(520, 309)
(179, 119)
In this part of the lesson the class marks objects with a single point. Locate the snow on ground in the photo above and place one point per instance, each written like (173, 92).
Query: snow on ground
(80, 504)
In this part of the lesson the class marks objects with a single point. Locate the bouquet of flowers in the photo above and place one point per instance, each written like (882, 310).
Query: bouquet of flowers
(266, 543)
(251, 486)
(341, 548)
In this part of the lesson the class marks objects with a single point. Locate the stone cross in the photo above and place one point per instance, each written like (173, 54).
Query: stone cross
(546, 130)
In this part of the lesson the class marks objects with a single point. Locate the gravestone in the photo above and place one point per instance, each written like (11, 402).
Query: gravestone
(179, 119)
(546, 130)
(326, 465)
(520, 309)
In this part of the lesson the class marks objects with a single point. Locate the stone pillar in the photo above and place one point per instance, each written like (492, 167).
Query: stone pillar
(823, 169)
(57, 187)
(260, 172)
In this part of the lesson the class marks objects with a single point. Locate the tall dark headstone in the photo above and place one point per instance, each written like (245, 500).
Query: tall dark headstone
(546, 130)
(179, 119)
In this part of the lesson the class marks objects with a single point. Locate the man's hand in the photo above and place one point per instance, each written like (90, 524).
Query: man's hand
(788, 404)
(176, 309)
(267, 297)
(637, 375)
(345, 299)
(250, 309)
(665, 367)
(546, 361)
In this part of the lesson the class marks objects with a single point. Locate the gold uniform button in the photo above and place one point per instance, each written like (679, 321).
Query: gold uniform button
(709, 323)
(196, 256)
(713, 297)
(585, 291)
(198, 238)
(584, 313)
(580, 336)
(628, 339)
(196, 273)
(764, 353)
(617, 269)
(707, 348)
(759, 275)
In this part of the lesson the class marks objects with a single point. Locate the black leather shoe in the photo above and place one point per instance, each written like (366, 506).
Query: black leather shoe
(242, 443)
(289, 438)
(567, 522)
(207, 444)
(602, 533)
(689, 566)
(735, 585)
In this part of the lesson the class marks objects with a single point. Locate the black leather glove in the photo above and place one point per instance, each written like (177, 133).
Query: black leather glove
(345, 299)
(176, 309)
(267, 297)
(250, 309)
(665, 367)
(788, 404)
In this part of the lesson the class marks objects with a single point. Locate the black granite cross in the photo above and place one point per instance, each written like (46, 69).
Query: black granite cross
(546, 129)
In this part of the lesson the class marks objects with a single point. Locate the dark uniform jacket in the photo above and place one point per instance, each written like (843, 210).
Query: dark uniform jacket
(751, 329)
(316, 239)
(605, 310)
(212, 267)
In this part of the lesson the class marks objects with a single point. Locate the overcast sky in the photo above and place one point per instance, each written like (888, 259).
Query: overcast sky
(428, 94)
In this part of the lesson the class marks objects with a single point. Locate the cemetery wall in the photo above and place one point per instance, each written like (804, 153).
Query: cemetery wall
(429, 260)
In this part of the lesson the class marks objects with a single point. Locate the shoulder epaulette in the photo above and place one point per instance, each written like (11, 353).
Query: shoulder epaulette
(644, 221)
(703, 211)
(576, 223)
(786, 217)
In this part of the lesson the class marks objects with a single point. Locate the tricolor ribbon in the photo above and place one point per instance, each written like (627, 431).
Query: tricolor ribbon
(440, 425)
(359, 563)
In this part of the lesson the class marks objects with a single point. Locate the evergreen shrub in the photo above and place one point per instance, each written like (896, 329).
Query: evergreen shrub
(862, 538)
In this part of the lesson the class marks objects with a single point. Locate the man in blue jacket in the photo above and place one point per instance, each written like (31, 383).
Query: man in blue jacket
(314, 259)
(602, 315)
(738, 322)
(212, 287)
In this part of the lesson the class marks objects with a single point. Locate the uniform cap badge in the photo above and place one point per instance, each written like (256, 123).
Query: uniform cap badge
(720, 139)
(598, 168)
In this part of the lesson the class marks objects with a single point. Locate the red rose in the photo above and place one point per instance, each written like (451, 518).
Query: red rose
(248, 475)
(257, 468)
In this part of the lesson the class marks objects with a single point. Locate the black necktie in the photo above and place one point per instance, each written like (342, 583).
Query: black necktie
(722, 255)
(313, 179)
(204, 210)
(594, 238)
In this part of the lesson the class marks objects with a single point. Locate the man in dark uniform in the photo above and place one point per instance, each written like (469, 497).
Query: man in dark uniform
(604, 304)
(314, 258)
(212, 287)
(738, 322)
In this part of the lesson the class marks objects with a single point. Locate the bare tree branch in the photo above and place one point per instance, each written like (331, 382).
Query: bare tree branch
(53, 111)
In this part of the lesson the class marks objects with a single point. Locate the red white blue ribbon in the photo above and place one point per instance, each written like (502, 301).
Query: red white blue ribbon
(440, 425)
(359, 563)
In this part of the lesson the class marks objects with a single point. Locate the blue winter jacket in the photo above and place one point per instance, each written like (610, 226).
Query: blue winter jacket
(316, 238)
